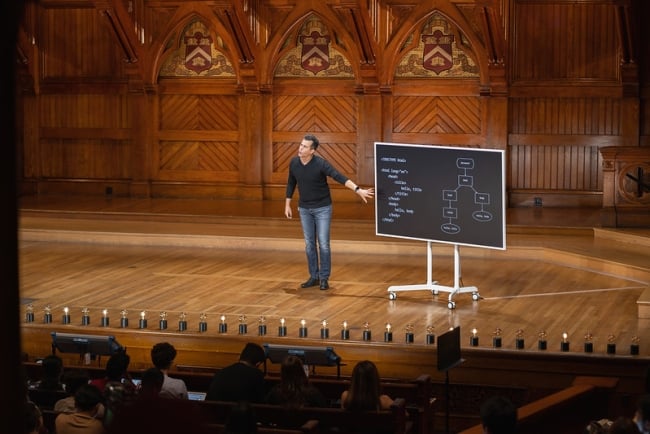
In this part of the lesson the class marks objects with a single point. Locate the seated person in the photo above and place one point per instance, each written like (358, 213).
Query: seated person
(72, 379)
(162, 356)
(365, 390)
(52, 373)
(241, 381)
(84, 420)
(294, 390)
(498, 415)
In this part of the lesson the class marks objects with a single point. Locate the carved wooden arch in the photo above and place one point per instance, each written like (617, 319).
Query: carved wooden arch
(393, 53)
(296, 20)
(181, 19)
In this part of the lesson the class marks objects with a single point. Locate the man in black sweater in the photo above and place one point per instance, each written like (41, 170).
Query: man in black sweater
(309, 172)
(241, 381)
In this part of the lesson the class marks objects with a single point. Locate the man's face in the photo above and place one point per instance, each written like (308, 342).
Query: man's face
(306, 150)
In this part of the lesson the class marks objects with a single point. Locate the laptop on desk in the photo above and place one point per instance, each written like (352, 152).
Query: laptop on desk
(196, 396)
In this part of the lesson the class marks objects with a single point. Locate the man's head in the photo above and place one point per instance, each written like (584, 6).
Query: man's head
(162, 355)
(313, 139)
(253, 354)
(498, 415)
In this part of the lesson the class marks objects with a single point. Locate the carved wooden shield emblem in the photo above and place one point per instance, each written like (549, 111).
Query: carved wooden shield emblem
(198, 52)
(315, 55)
(437, 55)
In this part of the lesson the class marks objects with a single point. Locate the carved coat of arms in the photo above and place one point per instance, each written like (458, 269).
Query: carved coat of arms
(315, 52)
(198, 52)
(438, 54)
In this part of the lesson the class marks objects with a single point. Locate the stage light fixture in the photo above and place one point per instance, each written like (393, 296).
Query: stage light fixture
(85, 316)
(589, 344)
(243, 326)
(182, 322)
(105, 321)
(634, 346)
(345, 332)
(66, 315)
(564, 345)
(162, 322)
(203, 323)
(611, 344)
(324, 330)
(496, 339)
(541, 342)
(367, 334)
(124, 318)
(388, 333)
(29, 313)
(261, 325)
(473, 339)
(282, 329)
(143, 319)
(519, 339)
(408, 333)
(47, 314)
(431, 337)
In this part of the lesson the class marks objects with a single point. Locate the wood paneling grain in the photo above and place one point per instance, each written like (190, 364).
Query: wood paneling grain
(78, 43)
(441, 115)
(567, 40)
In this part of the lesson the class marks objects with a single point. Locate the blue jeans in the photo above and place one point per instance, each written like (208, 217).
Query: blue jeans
(316, 224)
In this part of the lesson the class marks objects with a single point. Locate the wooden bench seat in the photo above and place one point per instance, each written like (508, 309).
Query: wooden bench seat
(330, 420)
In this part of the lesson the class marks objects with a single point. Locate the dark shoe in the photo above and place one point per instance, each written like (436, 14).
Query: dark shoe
(310, 282)
(324, 285)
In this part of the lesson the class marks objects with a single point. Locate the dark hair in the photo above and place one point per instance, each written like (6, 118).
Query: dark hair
(623, 425)
(253, 354)
(32, 418)
(313, 139)
(162, 355)
(365, 388)
(117, 366)
(152, 381)
(498, 415)
(52, 367)
(87, 397)
(293, 381)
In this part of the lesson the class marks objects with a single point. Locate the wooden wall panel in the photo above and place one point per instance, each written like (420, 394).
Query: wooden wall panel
(333, 120)
(80, 110)
(557, 115)
(210, 119)
(555, 168)
(77, 43)
(100, 159)
(441, 115)
(565, 40)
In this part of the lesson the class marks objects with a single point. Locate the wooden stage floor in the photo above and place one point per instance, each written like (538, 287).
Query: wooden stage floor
(560, 272)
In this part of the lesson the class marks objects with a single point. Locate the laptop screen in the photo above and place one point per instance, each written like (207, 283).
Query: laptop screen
(196, 396)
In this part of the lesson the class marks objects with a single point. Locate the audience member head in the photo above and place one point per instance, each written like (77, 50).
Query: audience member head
(33, 419)
(87, 398)
(152, 382)
(498, 415)
(252, 354)
(623, 425)
(117, 366)
(365, 387)
(242, 419)
(163, 355)
(52, 372)
(75, 378)
(642, 415)
(292, 373)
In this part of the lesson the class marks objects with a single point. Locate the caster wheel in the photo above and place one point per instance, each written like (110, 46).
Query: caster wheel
(392, 296)
(451, 305)
(476, 296)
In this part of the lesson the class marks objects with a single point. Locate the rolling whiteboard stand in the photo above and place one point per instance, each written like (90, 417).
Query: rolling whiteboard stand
(434, 287)
(430, 285)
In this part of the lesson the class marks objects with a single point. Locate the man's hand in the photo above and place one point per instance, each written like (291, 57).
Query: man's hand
(366, 193)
